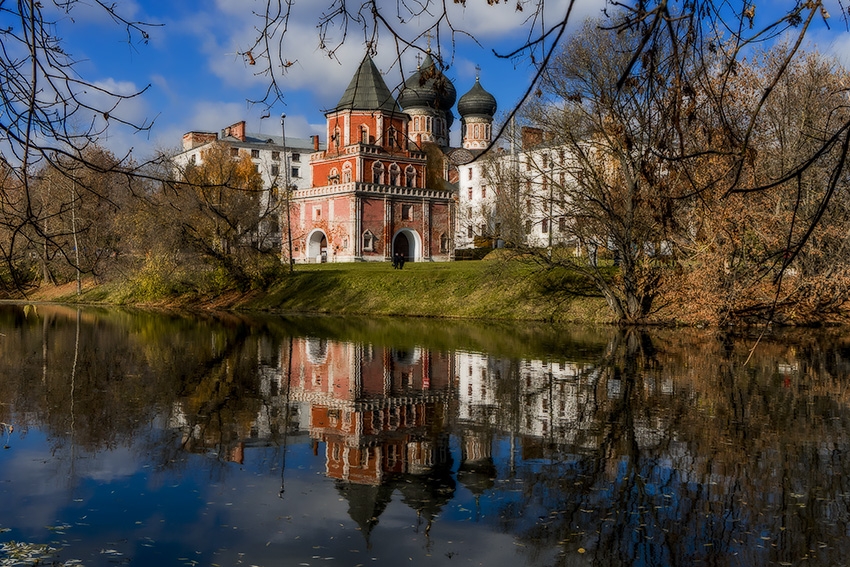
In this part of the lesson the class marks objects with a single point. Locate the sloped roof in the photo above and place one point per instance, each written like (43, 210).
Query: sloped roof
(368, 91)
(263, 140)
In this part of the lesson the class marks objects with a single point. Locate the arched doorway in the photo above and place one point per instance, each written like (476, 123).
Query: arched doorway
(408, 243)
(317, 247)
(402, 246)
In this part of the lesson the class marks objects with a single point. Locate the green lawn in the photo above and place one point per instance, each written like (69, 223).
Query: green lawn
(473, 289)
(508, 290)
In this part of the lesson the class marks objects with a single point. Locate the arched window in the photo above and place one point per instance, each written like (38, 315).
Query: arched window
(337, 138)
(378, 173)
(391, 134)
(333, 178)
(410, 176)
(395, 174)
(346, 172)
(364, 134)
(368, 241)
(444, 243)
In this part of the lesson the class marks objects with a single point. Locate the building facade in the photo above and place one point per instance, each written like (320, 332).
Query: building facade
(279, 160)
(515, 196)
(386, 182)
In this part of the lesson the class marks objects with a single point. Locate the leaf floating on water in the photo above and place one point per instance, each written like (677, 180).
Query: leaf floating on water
(22, 553)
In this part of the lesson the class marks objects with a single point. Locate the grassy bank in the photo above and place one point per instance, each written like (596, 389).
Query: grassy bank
(475, 289)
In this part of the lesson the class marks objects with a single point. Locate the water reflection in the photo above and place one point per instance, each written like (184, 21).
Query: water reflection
(486, 443)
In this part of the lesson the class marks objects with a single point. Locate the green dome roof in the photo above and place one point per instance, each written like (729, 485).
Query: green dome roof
(477, 102)
(428, 88)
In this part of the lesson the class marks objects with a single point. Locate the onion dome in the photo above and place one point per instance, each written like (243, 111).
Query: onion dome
(477, 102)
(428, 88)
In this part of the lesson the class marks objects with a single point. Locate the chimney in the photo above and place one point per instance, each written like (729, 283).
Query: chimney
(315, 142)
(531, 137)
(238, 130)
(195, 139)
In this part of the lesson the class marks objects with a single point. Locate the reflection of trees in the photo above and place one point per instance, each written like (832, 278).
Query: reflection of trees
(734, 460)
(679, 447)
(120, 372)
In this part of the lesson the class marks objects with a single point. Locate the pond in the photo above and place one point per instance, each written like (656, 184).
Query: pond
(159, 439)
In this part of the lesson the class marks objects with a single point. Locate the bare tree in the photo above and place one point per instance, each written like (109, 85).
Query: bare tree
(52, 114)
(660, 171)
(51, 118)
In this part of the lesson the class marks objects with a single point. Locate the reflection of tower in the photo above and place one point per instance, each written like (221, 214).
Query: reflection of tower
(380, 414)
(429, 490)
(477, 470)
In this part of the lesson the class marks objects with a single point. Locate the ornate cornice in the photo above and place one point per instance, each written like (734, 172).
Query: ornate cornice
(372, 189)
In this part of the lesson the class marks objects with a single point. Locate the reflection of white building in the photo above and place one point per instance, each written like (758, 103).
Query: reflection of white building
(477, 376)
(554, 394)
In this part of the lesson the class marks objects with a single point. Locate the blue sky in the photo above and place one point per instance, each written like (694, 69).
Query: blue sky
(199, 81)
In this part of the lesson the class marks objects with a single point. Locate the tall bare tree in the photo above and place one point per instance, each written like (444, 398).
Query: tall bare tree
(52, 117)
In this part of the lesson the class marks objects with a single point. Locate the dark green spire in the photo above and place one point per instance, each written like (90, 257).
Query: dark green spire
(368, 91)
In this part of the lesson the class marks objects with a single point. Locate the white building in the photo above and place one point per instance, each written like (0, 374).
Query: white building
(280, 162)
(516, 197)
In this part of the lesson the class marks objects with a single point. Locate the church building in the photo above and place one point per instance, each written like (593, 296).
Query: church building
(386, 182)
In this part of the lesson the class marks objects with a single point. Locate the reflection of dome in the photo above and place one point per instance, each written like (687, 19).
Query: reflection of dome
(366, 503)
(478, 476)
(477, 102)
(427, 494)
(428, 88)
